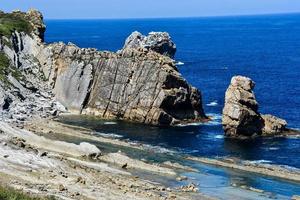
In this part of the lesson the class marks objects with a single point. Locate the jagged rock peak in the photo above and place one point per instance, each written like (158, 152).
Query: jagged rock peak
(30, 22)
(240, 113)
(159, 42)
(36, 19)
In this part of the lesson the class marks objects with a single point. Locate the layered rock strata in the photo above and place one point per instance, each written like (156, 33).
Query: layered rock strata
(138, 83)
(240, 113)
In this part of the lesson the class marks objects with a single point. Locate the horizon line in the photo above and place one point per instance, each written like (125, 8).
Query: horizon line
(180, 17)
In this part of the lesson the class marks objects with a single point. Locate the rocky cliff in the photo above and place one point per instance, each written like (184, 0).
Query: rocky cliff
(240, 113)
(139, 83)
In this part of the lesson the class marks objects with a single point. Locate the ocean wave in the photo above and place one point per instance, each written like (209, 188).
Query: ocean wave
(153, 148)
(219, 137)
(179, 63)
(213, 103)
(110, 123)
(260, 162)
(216, 119)
(274, 148)
(190, 124)
(108, 135)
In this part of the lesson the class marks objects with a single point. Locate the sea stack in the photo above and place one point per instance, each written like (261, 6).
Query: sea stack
(240, 113)
(139, 83)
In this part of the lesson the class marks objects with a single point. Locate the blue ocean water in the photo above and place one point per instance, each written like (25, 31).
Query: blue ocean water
(265, 48)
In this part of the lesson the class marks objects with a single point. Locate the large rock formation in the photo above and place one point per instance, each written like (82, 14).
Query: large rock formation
(159, 42)
(138, 83)
(240, 114)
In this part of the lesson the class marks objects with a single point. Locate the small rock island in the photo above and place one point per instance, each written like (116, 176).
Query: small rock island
(240, 113)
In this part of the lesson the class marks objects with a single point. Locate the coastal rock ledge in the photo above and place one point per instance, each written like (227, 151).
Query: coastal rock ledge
(139, 83)
(240, 113)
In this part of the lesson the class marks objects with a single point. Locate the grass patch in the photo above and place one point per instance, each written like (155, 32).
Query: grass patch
(6, 69)
(11, 194)
(10, 22)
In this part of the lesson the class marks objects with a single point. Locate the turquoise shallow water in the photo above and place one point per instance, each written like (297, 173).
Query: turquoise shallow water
(214, 181)
(266, 48)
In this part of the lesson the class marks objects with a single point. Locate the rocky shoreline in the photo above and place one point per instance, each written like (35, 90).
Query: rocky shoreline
(77, 171)
(68, 171)
(139, 83)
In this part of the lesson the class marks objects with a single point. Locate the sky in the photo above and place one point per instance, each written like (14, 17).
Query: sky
(91, 9)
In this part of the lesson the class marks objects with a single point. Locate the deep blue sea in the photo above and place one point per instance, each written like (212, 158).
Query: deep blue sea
(265, 48)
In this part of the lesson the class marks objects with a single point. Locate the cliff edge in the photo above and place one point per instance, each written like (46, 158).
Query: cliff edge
(139, 83)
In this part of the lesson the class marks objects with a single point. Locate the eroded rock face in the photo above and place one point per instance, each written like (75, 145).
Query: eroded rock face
(36, 19)
(159, 42)
(273, 125)
(138, 83)
(240, 113)
(134, 85)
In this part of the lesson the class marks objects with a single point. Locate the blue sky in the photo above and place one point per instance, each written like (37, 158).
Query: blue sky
(81, 9)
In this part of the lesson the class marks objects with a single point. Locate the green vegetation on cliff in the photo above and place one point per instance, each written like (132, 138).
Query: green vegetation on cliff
(4, 66)
(6, 69)
(16, 21)
(11, 194)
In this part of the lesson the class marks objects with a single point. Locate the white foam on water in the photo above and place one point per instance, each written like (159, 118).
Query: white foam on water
(219, 136)
(148, 147)
(157, 149)
(108, 135)
(290, 168)
(213, 103)
(110, 123)
(215, 120)
(190, 124)
(273, 148)
(260, 162)
(179, 63)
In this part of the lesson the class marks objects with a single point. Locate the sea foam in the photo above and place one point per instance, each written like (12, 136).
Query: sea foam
(213, 103)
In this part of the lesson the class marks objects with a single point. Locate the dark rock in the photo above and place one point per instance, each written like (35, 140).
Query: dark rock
(43, 154)
(124, 166)
(61, 188)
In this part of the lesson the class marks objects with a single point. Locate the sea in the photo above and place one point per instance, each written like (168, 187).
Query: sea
(210, 50)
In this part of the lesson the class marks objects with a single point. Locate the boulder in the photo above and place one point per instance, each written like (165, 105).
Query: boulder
(159, 42)
(273, 125)
(5, 100)
(240, 113)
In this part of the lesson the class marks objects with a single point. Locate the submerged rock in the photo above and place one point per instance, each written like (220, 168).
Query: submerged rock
(159, 42)
(240, 113)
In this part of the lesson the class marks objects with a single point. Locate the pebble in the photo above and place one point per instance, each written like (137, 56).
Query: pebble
(61, 188)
